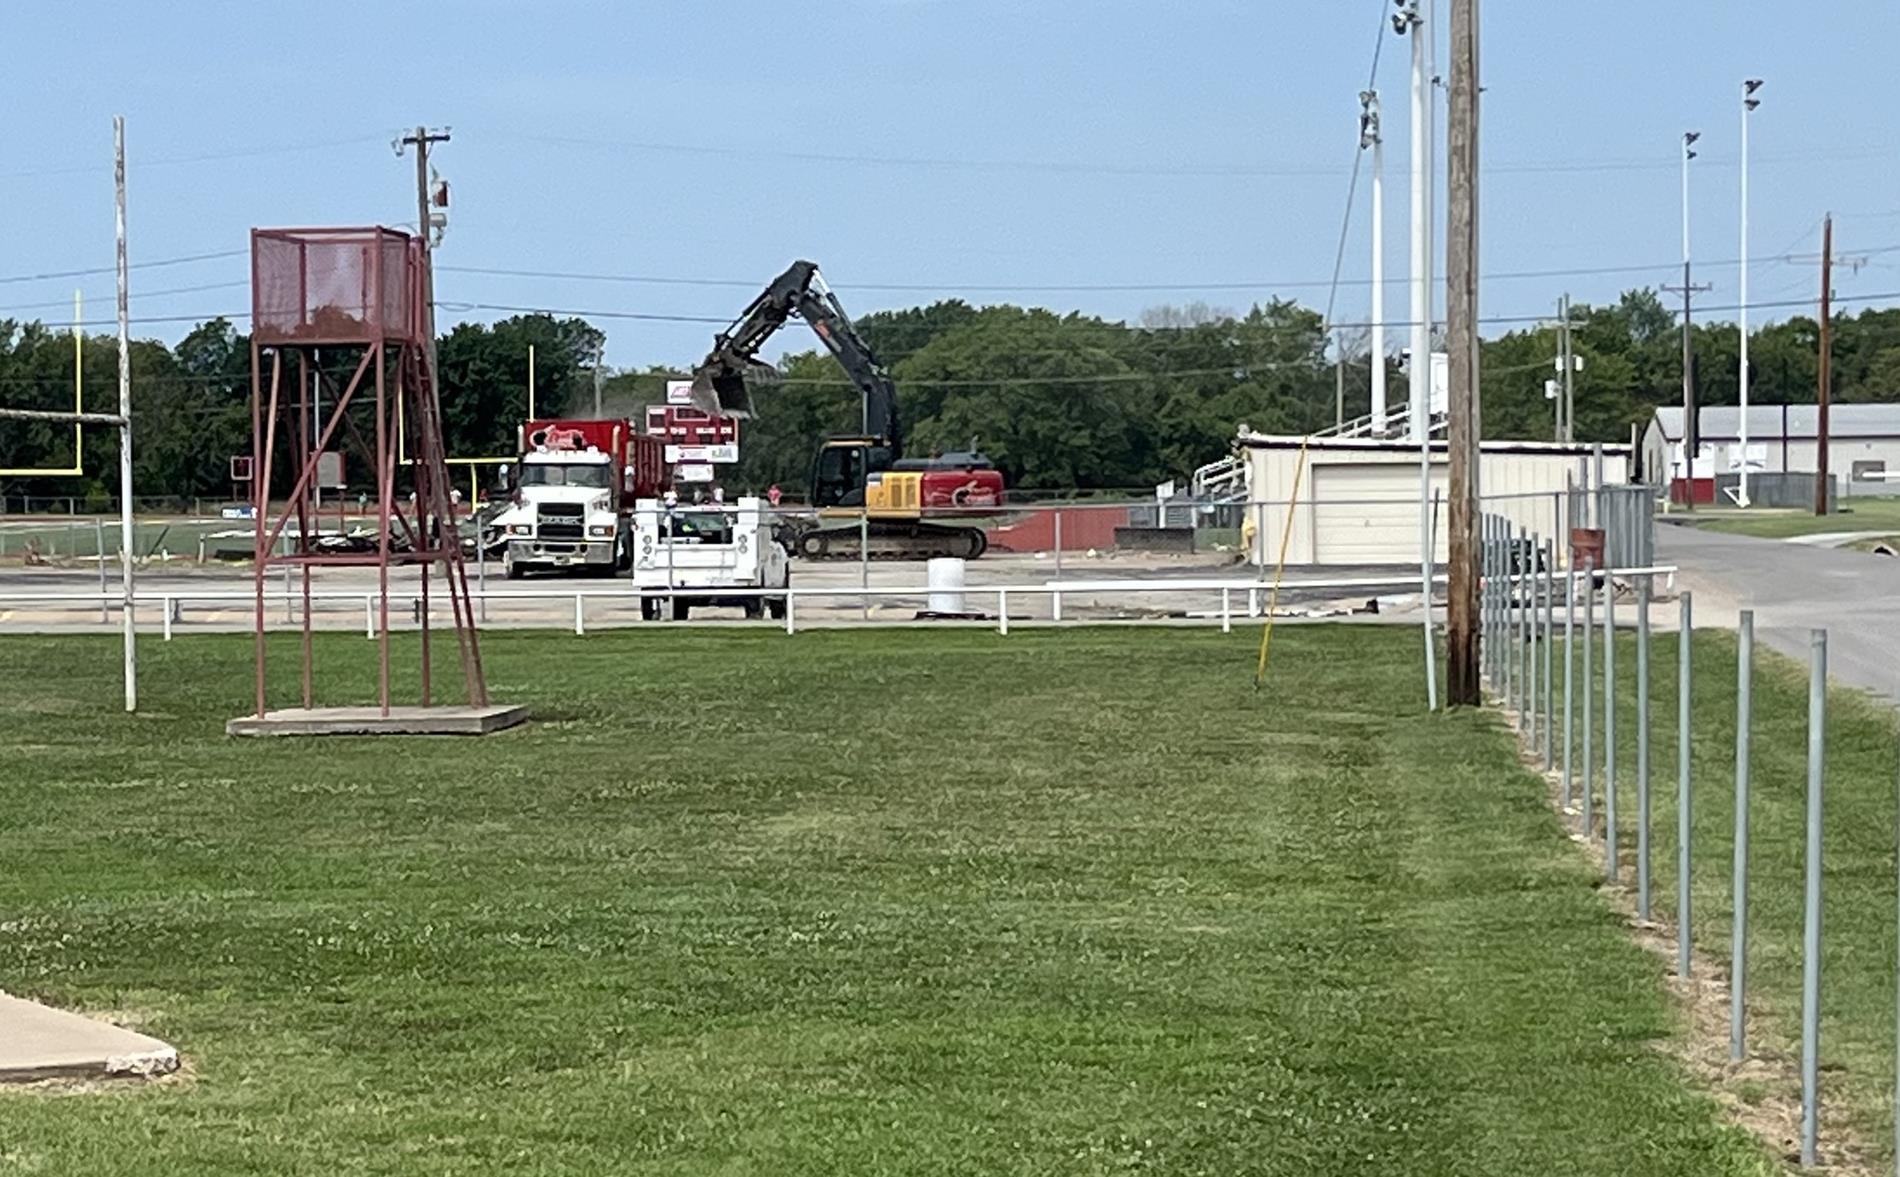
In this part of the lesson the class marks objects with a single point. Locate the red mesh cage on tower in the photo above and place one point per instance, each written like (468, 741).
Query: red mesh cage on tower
(341, 364)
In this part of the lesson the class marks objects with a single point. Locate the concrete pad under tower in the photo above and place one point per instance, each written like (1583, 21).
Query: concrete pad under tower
(38, 1042)
(371, 721)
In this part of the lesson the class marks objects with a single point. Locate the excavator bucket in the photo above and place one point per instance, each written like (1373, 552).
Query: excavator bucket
(719, 389)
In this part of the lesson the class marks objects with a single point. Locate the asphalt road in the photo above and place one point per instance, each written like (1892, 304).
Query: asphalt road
(1793, 589)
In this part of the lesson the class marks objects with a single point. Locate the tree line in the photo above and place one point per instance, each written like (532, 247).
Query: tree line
(1058, 401)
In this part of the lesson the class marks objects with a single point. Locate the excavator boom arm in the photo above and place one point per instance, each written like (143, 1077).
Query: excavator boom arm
(719, 383)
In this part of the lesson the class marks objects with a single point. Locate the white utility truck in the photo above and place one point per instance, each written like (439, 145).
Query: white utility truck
(707, 554)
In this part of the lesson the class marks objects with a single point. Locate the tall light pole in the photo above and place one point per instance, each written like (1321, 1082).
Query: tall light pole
(1749, 103)
(1691, 435)
(1413, 20)
(1371, 140)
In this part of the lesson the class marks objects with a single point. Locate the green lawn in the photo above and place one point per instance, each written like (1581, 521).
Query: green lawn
(1857, 514)
(854, 902)
(1858, 944)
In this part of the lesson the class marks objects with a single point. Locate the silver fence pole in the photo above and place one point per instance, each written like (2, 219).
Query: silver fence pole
(1484, 596)
(1570, 675)
(1811, 904)
(1685, 631)
(1529, 652)
(1609, 726)
(1514, 586)
(864, 561)
(1548, 613)
(481, 574)
(1589, 635)
(1642, 748)
(1738, 932)
(1514, 602)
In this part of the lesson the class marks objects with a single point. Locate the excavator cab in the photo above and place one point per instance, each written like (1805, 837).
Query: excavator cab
(843, 466)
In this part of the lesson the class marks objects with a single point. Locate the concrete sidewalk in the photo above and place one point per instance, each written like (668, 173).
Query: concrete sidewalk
(38, 1042)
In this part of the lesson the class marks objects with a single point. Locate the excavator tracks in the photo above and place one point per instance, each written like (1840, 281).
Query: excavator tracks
(908, 541)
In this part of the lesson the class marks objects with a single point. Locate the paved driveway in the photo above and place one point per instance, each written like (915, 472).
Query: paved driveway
(1794, 588)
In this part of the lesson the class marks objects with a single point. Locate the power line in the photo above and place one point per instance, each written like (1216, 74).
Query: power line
(93, 271)
(205, 157)
(136, 295)
(1183, 170)
(1113, 287)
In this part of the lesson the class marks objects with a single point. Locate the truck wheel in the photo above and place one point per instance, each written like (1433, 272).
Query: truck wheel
(682, 610)
(776, 607)
(649, 609)
(814, 545)
(754, 608)
(512, 570)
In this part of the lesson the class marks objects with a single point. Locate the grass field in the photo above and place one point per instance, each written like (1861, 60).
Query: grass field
(1859, 822)
(853, 903)
(1856, 514)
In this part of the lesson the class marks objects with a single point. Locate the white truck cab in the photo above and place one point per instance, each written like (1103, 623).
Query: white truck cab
(702, 552)
(564, 515)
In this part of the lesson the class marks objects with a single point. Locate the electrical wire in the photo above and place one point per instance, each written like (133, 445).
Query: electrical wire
(93, 271)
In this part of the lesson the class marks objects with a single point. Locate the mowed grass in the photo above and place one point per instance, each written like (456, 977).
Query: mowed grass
(1855, 514)
(849, 903)
(1862, 778)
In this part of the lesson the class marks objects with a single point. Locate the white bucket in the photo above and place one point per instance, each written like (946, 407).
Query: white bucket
(944, 575)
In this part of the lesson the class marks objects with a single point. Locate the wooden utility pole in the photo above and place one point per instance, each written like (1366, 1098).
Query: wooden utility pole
(1824, 394)
(1461, 320)
(421, 138)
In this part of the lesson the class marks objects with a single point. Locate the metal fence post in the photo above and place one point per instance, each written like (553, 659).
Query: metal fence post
(1589, 635)
(1548, 617)
(1738, 933)
(167, 603)
(791, 596)
(1002, 611)
(1642, 748)
(864, 561)
(1226, 611)
(1609, 724)
(580, 621)
(1570, 676)
(1811, 903)
(1527, 636)
(1685, 632)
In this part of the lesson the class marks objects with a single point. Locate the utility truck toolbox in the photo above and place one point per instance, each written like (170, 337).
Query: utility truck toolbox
(708, 554)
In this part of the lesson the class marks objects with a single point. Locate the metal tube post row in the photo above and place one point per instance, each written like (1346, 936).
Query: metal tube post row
(1642, 748)
(1738, 935)
(1589, 634)
(1548, 617)
(1811, 902)
(1685, 631)
(1609, 727)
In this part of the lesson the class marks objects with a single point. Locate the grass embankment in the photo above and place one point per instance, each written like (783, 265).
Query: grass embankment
(854, 902)
(1856, 514)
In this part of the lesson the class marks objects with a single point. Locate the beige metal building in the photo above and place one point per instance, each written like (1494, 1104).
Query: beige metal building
(1357, 499)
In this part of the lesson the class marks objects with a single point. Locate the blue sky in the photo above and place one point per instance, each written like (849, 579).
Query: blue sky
(948, 147)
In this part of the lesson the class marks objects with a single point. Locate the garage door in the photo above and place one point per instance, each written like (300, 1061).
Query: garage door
(1367, 514)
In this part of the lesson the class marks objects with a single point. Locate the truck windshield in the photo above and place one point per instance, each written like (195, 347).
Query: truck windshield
(700, 527)
(546, 474)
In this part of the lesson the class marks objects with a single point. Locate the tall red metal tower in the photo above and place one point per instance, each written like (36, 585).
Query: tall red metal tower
(326, 302)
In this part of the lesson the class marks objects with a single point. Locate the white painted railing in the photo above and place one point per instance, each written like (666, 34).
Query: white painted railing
(1254, 591)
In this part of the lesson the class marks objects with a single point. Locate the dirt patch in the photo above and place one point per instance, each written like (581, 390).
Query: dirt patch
(1761, 1093)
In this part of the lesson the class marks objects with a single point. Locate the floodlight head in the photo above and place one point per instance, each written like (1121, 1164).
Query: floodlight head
(1751, 85)
(1689, 137)
(1749, 104)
